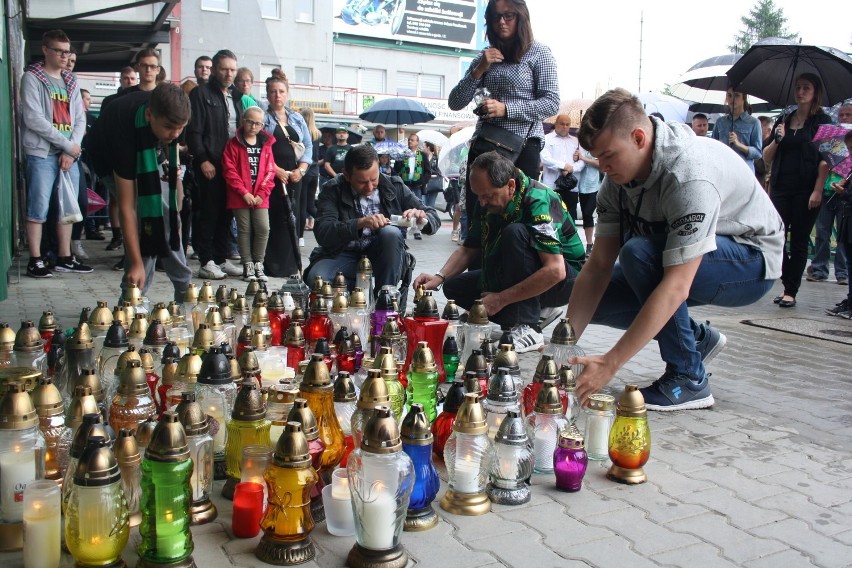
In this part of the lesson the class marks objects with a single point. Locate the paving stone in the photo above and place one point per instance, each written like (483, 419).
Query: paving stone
(823, 550)
(732, 543)
(745, 488)
(560, 528)
(823, 520)
(610, 552)
(533, 553)
(700, 554)
(740, 513)
(785, 558)
(646, 537)
(441, 546)
(820, 493)
(658, 507)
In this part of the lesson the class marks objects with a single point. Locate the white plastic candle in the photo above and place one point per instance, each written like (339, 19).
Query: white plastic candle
(340, 485)
(17, 469)
(508, 458)
(378, 518)
(466, 475)
(337, 502)
(543, 447)
(597, 436)
(42, 524)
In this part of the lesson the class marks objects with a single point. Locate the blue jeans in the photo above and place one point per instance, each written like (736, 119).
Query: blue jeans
(430, 198)
(386, 254)
(42, 175)
(732, 275)
(822, 244)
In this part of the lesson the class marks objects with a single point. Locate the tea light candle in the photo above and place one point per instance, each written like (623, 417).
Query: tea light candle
(597, 437)
(378, 518)
(340, 485)
(42, 524)
(466, 475)
(336, 500)
(248, 509)
(543, 446)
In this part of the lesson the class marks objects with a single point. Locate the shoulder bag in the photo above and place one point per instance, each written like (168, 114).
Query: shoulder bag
(495, 138)
(298, 147)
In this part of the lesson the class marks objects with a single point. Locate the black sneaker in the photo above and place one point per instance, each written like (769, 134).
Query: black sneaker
(70, 264)
(709, 342)
(839, 308)
(677, 392)
(115, 244)
(37, 269)
(95, 236)
(119, 266)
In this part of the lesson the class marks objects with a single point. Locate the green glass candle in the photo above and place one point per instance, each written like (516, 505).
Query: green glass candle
(423, 380)
(451, 357)
(166, 495)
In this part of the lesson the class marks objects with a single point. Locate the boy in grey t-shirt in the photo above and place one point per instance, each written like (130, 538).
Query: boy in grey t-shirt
(681, 221)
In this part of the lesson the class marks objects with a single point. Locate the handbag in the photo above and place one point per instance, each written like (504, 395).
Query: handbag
(565, 182)
(495, 138)
(435, 185)
(298, 147)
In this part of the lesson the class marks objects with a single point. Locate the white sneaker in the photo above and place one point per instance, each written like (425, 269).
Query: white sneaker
(259, 273)
(526, 339)
(211, 271)
(301, 241)
(78, 250)
(248, 271)
(549, 315)
(231, 269)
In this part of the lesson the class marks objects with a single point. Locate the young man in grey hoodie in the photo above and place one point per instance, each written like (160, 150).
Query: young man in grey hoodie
(52, 128)
(682, 221)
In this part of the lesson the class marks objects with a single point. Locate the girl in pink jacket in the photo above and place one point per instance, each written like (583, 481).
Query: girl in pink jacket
(249, 172)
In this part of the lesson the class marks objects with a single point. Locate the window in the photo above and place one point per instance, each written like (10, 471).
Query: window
(270, 9)
(305, 11)
(215, 5)
(303, 76)
(369, 80)
(417, 85)
(265, 73)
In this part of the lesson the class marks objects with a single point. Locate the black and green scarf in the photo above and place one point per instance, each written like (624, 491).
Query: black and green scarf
(149, 199)
(418, 168)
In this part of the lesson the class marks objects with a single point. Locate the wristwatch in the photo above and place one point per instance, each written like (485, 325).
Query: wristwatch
(443, 278)
(303, 170)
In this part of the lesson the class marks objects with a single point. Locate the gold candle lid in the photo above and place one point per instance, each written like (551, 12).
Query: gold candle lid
(471, 382)
(133, 295)
(248, 361)
(295, 337)
(81, 403)
(275, 302)
(139, 327)
(226, 312)
(507, 357)
(291, 451)
(188, 368)
(260, 316)
(236, 372)
(470, 418)
(344, 388)
(298, 315)
(101, 317)
(155, 335)
(206, 294)
(563, 333)
(244, 336)
(7, 336)
(241, 306)
(423, 360)
(387, 364)
(232, 296)
(120, 313)
(81, 339)
(631, 403)
(28, 339)
(317, 378)
(175, 311)
(168, 441)
(258, 340)
(476, 361)
(426, 307)
(191, 294)
(252, 288)
(327, 291)
(545, 369)
(571, 440)
(214, 319)
(415, 427)
(451, 311)
(126, 449)
(27, 376)
(47, 321)
(567, 378)
(16, 408)
(418, 294)
(601, 402)
(381, 433)
(391, 331)
(261, 298)
(222, 294)
(145, 431)
(340, 305)
(130, 355)
(132, 380)
(249, 405)
(364, 265)
(548, 401)
(318, 306)
(192, 416)
(477, 314)
(357, 299)
(204, 338)
(161, 313)
(170, 365)
(97, 466)
(338, 283)
(301, 413)
(47, 399)
(374, 391)
(89, 378)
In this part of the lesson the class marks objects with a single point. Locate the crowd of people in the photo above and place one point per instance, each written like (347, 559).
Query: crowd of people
(683, 218)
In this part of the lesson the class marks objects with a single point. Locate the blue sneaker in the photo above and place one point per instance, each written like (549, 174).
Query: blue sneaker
(677, 392)
(711, 342)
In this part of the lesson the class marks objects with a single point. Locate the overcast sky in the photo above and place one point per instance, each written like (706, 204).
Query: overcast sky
(597, 42)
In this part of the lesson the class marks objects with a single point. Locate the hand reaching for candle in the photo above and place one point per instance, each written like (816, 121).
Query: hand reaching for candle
(597, 373)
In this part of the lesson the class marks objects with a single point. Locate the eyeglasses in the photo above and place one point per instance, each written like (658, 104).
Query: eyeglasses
(507, 16)
(148, 66)
(253, 123)
(59, 52)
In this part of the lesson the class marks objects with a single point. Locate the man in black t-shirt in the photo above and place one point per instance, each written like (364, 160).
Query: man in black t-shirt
(146, 124)
(336, 154)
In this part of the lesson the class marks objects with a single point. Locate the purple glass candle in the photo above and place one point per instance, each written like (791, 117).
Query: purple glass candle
(569, 461)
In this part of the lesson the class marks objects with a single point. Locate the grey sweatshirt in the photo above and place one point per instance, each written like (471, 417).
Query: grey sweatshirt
(698, 188)
(39, 136)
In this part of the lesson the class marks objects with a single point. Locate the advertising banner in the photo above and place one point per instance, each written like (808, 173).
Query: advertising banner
(445, 23)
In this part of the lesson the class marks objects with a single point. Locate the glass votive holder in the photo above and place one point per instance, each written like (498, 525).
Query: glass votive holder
(256, 459)
(182, 338)
(248, 509)
(42, 522)
(336, 500)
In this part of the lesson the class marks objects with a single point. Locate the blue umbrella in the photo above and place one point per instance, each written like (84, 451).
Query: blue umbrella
(397, 111)
(389, 147)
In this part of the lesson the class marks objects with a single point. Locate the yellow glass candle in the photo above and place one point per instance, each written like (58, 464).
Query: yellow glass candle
(317, 389)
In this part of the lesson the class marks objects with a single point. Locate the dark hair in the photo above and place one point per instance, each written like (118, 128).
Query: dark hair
(147, 52)
(699, 115)
(223, 54)
(617, 110)
(515, 48)
(200, 59)
(161, 74)
(170, 102)
(499, 168)
(84, 91)
(278, 76)
(127, 69)
(764, 120)
(54, 35)
(360, 158)
(848, 138)
(819, 91)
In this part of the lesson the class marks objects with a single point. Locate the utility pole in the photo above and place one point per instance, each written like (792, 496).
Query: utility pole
(641, 27)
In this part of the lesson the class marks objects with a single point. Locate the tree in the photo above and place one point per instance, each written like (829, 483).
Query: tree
(763, 20)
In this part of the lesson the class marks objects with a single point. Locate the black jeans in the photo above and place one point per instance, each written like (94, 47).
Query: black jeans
(798, 223)
(211, 236)
(517, 246)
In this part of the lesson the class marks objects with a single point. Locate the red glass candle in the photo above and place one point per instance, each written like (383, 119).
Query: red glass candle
(348, 446)
(248, 509)
(318, 325)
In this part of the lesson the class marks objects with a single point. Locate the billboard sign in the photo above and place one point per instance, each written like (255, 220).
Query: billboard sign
(445, 23)
(438, 107)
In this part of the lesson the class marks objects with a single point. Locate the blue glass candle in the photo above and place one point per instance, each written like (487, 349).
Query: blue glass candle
(417, 443)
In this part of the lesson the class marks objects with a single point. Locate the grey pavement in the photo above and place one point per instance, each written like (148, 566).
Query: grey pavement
(763, 479)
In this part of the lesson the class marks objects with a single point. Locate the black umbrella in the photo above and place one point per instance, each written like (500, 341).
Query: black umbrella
(354, 136)
(769, 70)
(397, 110)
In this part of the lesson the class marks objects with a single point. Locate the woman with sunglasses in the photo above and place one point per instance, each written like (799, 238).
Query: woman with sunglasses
(520, 75)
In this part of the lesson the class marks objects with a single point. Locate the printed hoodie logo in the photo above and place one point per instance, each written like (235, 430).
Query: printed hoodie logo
(685, 226)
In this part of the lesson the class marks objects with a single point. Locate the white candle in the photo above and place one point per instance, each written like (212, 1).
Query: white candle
(216, 417)
(508, 458)
(42, 525)
(597, 437)
(466, 475)
(340, 485)
(378, 518)
(17, 469)
(543, 446)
